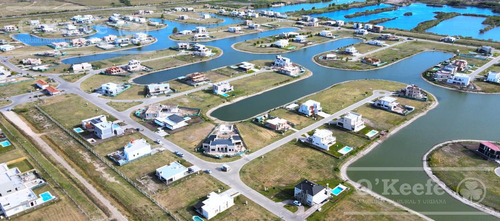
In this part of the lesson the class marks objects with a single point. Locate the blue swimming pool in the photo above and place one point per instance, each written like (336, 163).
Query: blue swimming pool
(197, 218)
(78, 130)
(46, 196)
(225, 95)
(371, 133)
(345, 150)
(338, 189)
(5, 143)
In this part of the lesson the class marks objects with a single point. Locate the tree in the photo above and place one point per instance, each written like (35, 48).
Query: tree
(162, 16)
(175, 30)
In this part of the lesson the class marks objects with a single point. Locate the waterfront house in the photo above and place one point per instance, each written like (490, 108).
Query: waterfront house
(445, 72)
(486, 50)
(202, 50)
(449, 39)
(330, 56)
(361, 31)
(310, 107)
(247, 66)
(52, 90)
(254, 26)
(6, 48)
(388, 37)
(290, 34)
(461, 64)
(134, 65)
(350, 50)
(291, 70)
(195, 79)
(371, 60)
(368, 26)
(205, 16)
(234, 29)
(351, 121)
(224, 140)
(326, 33)
(159, 111)
(375, 42)
(413, 91)
(158, 89)
(172, 122)
(357, 25)
(110, 89)
(34, 22)
(281, 61)
(490, 150)
(278, 124)
(183, 17)
(387, 103)
(322, 138)
(81, 68)
(109, 38)
(339, 23)
(221, 88)
(377, 28)
(282, 43)
(300, 38)
(493, 77)
(42, 84)
(136, 149)
(214, 204)
(200, 30)
(10, 28)
(171, 172)
(310, 193)
(183, 46)
(79, 42)
(459, 79)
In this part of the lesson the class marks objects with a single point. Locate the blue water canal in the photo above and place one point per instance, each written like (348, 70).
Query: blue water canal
(458, 116)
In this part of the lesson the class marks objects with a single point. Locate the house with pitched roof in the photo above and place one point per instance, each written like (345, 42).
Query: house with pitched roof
(489, 150)
(310, 193)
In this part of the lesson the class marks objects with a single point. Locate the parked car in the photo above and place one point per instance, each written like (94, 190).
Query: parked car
(158, 141)
(297, 203)
(208, 171)
(225, 168)
(179, 154)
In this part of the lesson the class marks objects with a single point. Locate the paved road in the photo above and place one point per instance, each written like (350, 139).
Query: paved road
(115, 213)
(484, 67)
(357, 57)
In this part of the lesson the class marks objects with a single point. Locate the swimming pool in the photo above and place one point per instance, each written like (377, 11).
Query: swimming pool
(345, 150)
(46, 196)
(197, 218)
(5, 143)
(338, 189)
(371, 133)
(78, 130)
(225, 95)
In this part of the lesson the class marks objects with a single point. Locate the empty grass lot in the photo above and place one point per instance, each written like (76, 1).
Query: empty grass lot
(391, 55)
(4, 103)
(461, 155)
(72, 77)
(123, 106)
(20, 88)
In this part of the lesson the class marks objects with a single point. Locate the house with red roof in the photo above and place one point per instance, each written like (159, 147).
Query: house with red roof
(52, 90)
(42, 84)
(490, 150)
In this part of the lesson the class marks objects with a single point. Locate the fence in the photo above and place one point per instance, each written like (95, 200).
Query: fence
(110, 165)
(45, 170)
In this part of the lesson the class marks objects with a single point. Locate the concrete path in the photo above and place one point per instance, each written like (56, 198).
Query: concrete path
(484, 67)
(13, 117)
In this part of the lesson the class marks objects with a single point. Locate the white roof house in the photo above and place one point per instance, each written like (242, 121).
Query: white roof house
(110, 89)
(351, 121)
(215, 204)
(310, 107)
(351, 50)
(157, 89)
(323, 139)
(4, 73)
(171, 172)
(17, 202)
(5, 48)
(83, 67)
(388, 103)
(281, 43)
(368, 26)
(234, 29)
(34, 22)
(361, 31)
(493, 77)
(459, 79)
(376, 43)
(222, 88)
(171, 122)
(136, 149)
(449, 39)
(134, 65)
(281, 61)
(201, 30)
(300, 38)
(326, 33)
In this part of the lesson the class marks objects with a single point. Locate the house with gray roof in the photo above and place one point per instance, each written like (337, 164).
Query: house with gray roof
(310, 193)
(224, 140)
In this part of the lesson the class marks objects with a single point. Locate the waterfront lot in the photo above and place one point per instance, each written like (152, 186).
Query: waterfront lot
(462, 155)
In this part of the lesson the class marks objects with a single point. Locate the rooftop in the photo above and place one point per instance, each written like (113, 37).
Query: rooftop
(309, 187)
(171, 169)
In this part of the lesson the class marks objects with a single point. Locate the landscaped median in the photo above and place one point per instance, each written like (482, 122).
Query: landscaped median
(287, 165)
(467, 169)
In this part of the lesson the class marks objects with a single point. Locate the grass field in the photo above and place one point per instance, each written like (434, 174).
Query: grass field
(262, 45)
(488, 87)
(20, 88)
(461, 155)
(72, 77)
(4, 103)
(122, 106)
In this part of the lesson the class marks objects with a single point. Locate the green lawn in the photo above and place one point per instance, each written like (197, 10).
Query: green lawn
(123, 106)
(23, 87)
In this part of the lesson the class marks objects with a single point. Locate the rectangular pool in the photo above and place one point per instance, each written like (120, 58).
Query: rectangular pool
(225, 95)
(46, 196)
(371, 134)
(5, 143)
(345, 150)
(338, 189)
(78, 130)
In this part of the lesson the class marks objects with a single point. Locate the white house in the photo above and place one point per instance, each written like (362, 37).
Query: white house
(281, 61)
(350, 50)
(202, 50)
(136, 149)
(171, 172)
(368, 27)
(326, 33)
(171, 122)
(322, 138)
(254, 26)
(5, 48)
(493, 77)
(281, 43)
(300, 38)
(205, 16)
(357, 25)
(310, 107)
(376, 43)
(215, 204)
(4, 73)
(234, 29)
(157, 89)
(183, 46)
(110, 89)
(310, 193)
(200, 30)
(340, 23)
(460, 79)
(34, 22)
(388, 103)
(361, 32)
(351, 121)
(83, 67)
(222, 88)
(9, 28)
(449, 39)
(134, 65)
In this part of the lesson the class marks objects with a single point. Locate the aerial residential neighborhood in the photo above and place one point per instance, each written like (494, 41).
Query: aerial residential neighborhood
(249, 110)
